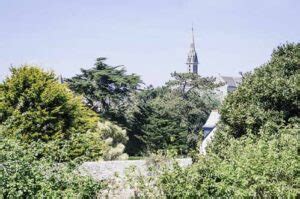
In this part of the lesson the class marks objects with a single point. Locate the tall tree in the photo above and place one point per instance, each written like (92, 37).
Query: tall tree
(106, 88)
(193, 98)
(267, 100)
(174, 114)
(137, 115)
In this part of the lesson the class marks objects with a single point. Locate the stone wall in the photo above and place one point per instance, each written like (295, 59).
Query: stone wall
(108, 169)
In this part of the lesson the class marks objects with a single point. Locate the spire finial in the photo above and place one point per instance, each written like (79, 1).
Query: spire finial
(193, 40)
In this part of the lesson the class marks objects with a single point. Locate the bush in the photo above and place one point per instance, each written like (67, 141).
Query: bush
(267, 168)
(115, 139)
(23, 175)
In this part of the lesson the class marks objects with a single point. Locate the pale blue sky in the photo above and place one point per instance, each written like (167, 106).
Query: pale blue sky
(150, 38)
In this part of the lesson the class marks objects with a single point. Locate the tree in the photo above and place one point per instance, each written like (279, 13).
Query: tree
(36, 107)
(163, 130)
(267, 99)
(255, 151)
(172, 116)
(136, 116)
(106, 88)
(192, 98)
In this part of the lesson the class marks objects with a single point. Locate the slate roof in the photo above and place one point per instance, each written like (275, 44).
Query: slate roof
(212, 120)
(232, 81)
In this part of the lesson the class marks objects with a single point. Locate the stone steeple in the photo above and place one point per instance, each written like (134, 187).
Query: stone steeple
(192, 60)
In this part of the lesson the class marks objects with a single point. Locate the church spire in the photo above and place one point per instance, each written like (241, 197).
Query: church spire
(193, 40)
(192, 60)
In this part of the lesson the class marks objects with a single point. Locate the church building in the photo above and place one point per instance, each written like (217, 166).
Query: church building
(229, 84)
(192, 60)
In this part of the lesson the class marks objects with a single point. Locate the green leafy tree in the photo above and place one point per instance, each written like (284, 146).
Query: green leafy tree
(106, 88)
(267, 98)
(172, 116)
(266, 168)
(162, 130)
(137, 115)
(192, 98)
(35, 106)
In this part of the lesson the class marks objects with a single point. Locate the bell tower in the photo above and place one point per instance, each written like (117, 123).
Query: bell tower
(192, 60)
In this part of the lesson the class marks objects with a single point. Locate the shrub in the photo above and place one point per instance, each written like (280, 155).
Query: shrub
(267, 168)
(23, 175)
(115, 139)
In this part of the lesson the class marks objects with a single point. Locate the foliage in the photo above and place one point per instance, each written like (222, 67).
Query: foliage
(161, 118)
(146, 184)
(171, 117)
(137, 115)
(115, 139)
(23, 175)
(106, 88)
(266, 101)
(44, 124)
(192, 98)
(255, 152)
(267, 168)
(271, 93)
(34, 106)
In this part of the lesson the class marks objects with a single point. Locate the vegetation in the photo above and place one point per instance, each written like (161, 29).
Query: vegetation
(47, 131)
(255, 150)
(24, 175)
(266, 168)
(266, 101)
(171, 117)
(115, 139)
(34, 106)
(105, 88)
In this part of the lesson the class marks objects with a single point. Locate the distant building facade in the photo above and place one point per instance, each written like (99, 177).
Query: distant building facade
(209, 129)
(229, 85)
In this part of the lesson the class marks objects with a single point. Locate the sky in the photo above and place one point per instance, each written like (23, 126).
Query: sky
(150, 38)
